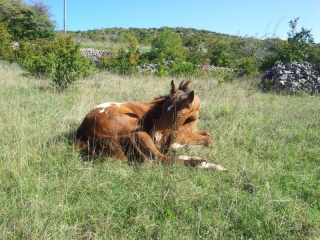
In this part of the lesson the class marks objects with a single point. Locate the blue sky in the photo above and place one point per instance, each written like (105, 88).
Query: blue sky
(254, 18)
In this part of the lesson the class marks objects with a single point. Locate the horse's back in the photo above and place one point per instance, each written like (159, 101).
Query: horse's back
(109, 120)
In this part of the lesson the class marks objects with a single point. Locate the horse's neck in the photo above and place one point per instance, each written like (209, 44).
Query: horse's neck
(154, 112)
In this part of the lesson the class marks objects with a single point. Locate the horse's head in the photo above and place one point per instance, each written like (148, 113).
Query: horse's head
(174, 111)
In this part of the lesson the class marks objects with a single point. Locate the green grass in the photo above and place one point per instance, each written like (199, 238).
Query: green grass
(270, 144)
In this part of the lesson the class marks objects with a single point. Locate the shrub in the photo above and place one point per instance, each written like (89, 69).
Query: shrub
(6, 49)
(218, 52)
(298, 47)
(68, 63)
(184, 70)
(314, 56)
(248, 66)
(33, 56)
(162, 71)
(167, 46)
(299, 42)
(24, 21)
(222, 76)
(123, 63)
(60, 60)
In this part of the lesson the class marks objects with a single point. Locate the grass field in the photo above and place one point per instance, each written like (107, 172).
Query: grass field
(269, 143)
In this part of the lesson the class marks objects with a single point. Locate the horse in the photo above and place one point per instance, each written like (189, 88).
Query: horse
(137, 131)
(187, 135)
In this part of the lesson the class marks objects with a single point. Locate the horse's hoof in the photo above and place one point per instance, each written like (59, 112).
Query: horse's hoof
(212, 166)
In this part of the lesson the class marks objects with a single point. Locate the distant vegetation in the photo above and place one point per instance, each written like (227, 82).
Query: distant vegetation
(43, 52)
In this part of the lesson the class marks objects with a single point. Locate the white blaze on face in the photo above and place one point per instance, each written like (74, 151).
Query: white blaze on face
(105, 105)
(169, 108)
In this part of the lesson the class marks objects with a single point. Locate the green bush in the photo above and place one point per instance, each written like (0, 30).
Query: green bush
(219, 52)
(314, 56)
(7, 51)
(268, 61)
(167, 46)
(68, 63)
(222, 76)
(298, 47)
(184, 70)
(24, 21)
(33, 56)
(162, 71)
(248, 66)
(123, 63)
(196, 57)
(60, 60)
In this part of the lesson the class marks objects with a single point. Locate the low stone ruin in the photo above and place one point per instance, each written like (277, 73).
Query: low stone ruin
(211, 68)
(152, 67)
(294, 77)
(94, 54)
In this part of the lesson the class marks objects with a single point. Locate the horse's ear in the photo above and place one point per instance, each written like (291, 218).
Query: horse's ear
(190, 98)
(174, 89)
(185, 86)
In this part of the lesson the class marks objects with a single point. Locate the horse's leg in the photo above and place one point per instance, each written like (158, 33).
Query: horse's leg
(200, 163)
(146, 148)
(187, 135)
(111, 147)
(197, 139)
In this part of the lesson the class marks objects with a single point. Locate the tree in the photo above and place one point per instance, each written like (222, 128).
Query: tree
(24, 21)
(130, 40)
(299, 43)
(167, 46)
(217, 52)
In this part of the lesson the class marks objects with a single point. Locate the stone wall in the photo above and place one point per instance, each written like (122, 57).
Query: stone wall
(294, 77)
(96, 56)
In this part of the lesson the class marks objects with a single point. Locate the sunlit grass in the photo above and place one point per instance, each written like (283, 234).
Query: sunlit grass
(269, 143)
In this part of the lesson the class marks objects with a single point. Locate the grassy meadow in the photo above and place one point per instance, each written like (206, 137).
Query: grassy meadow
(270, 144)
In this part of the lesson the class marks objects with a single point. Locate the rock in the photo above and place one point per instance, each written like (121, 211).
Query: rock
(94, 54)
(294, 77)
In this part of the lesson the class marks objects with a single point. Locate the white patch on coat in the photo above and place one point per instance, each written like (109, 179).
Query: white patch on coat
(105, 105)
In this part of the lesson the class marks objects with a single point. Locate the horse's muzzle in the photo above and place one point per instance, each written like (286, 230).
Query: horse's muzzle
(155, 136)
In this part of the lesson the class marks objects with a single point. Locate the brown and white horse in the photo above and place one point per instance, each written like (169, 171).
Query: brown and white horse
(137, 130)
